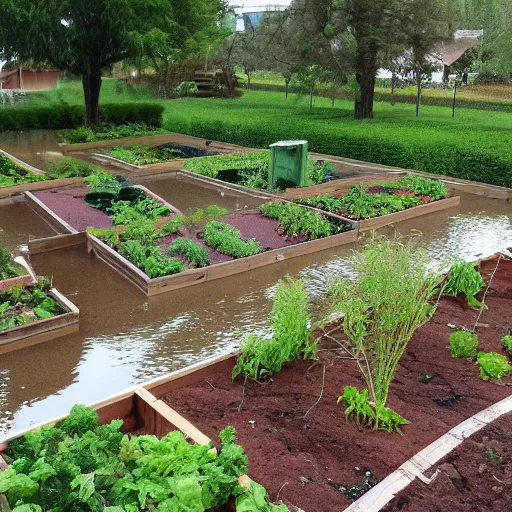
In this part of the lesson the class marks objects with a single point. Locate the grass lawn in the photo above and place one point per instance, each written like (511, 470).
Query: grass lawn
(475, 145)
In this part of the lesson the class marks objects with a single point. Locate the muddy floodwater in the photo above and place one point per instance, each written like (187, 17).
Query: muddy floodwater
(126, 338)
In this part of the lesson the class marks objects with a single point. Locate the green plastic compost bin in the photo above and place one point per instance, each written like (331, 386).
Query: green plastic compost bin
(288, 164)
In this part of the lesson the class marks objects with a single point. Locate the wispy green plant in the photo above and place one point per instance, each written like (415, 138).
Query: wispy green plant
(463, 344)
(391, 297)
(463, 278)
(291, 340)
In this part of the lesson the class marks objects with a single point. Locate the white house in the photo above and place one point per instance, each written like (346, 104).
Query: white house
(252, 11)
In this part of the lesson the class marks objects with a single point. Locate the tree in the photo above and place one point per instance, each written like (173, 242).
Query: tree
(426, 23)
(79, 36)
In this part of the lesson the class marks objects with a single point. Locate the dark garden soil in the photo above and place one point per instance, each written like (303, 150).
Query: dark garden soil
(304, 461)
(475, 477)
(68, 203)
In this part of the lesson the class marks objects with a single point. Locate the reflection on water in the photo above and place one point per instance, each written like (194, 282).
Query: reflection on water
(126, 338)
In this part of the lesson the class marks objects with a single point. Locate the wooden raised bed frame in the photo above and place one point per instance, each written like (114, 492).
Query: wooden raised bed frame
(201, 275)
(23, 280)
(44, 330)
(341, 187)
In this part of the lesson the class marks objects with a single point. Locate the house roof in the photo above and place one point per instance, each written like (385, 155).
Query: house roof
(452, 52)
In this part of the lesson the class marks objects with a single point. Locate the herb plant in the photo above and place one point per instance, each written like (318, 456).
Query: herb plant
(79, 466)
(228, 240)
(296, 220)
(8, 268)
(291, 340)
(194, 253)
(390, 298)
(463, 344)
(68, 167)
(427, 187)
(492, 365)
(506, 341)
(463, 278)
(150, 259)
(358, 407)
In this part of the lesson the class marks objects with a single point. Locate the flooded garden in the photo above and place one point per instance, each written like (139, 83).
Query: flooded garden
(177, 260)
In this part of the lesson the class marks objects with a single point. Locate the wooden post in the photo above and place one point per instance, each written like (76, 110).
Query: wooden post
(21, 77)
(454, 98)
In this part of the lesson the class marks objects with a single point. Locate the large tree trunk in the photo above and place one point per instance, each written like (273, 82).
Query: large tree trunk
(92, 85)
(366, 73)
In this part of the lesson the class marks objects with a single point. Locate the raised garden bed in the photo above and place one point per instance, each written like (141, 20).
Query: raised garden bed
(475, 476)
(17, 273)
(33, 313)
(256, 239)
(379, 200)
(309, 456)
(170, 471)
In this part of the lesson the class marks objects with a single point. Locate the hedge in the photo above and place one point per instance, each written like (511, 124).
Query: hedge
(64, 116)
(423, 154)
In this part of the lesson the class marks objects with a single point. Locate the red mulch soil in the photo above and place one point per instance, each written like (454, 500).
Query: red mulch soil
(476, 476)
(68, 203)
(305, 461)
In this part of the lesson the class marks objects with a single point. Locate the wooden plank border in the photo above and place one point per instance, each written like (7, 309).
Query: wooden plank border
(380, 495)
(48, 215)
(201, 275)
(42, 245)
(24, 280)
(138, 409)
(41, 331)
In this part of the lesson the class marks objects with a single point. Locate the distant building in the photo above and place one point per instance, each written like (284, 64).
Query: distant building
(250, 13)
(17, 78)
(447, 54)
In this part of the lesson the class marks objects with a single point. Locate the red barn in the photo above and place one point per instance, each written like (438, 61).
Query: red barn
(29, 79)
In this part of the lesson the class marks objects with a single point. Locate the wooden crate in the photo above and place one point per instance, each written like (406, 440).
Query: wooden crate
(44, 330)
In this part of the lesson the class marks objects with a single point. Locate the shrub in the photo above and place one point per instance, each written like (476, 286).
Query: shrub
(463, 344)
(296, 220)
(227, 240)
(492, 365)
(196, 254)
(107, 132)
(464, 278)
(68, 167)
(290, 321)
(62, 116)
(389, 300)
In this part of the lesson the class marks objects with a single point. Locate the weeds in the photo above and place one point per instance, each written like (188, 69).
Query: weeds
(390, 299)
(8, 268)
(463, 344)
(463, 278)
(291, 338)
(67, 167)
(13, 174)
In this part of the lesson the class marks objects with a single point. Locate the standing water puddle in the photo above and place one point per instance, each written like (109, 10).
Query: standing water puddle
(126, 338)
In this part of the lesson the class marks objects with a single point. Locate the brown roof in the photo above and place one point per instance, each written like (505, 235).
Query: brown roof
(7, 74)
(453, 51)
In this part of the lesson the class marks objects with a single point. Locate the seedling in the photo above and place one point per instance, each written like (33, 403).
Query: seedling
(463, 278)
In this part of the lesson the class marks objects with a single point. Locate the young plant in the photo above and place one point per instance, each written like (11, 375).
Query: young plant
(296, 221)
(463, 278)
(422, 186)
(291, 340)
(391, 297)
(228, 240)
(506, 341)
(142, 230)
(103, 182)
(68, 167)
(358, 407)
(109, 236)
(196, 254)
(463, 344)
(8, 268)
(492, 365)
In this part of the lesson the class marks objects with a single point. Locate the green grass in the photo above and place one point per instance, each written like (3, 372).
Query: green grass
(474, 145)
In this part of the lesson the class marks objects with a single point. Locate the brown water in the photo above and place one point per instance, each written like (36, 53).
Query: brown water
(126, 338)
(19, 223)
(33, 147)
